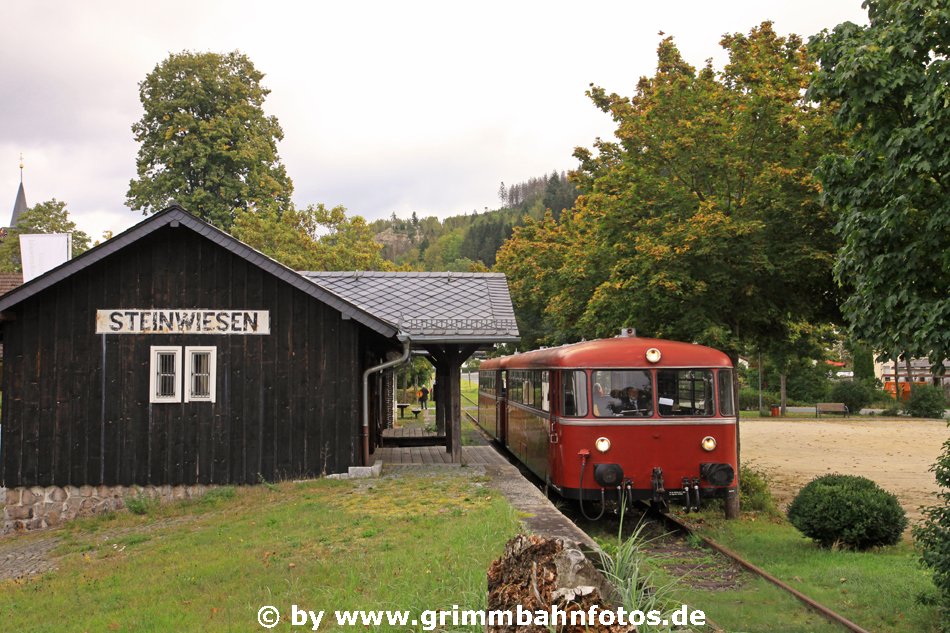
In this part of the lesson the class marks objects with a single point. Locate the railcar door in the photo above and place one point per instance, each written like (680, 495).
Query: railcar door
(501, 407)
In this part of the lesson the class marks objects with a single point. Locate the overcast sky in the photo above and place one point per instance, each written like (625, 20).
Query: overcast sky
(386, 106)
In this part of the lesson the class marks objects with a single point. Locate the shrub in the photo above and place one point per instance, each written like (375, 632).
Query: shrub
(854, 394)
(754, 492)
(141, 503)
(933, 534)
(749, 398)
(926, 401)
(847, 510)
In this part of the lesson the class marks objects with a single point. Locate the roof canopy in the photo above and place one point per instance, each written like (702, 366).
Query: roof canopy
(431, 307)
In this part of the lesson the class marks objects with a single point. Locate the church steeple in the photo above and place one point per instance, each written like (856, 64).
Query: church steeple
(19, 206)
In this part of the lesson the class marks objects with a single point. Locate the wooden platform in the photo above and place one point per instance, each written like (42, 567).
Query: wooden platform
(409, 432)
(436, 455)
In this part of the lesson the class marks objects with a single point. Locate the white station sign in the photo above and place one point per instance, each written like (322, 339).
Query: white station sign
(192, 321)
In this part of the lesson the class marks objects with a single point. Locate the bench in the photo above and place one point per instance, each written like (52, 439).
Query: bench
(831, 407)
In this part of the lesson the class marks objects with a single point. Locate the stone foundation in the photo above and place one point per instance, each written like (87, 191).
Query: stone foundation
(39, 507)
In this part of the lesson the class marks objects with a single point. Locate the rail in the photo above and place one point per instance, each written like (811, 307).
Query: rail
(758, 571)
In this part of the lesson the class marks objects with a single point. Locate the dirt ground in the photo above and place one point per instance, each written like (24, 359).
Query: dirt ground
(895, 453)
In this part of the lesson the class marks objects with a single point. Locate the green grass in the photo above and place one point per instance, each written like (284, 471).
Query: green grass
(416, 542)
(878, 590)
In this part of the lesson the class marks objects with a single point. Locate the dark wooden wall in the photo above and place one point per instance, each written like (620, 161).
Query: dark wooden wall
(76, 404)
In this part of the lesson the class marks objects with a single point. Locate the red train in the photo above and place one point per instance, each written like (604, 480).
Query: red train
(646, 418)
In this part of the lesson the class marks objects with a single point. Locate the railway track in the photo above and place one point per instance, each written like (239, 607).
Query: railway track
(675, 524)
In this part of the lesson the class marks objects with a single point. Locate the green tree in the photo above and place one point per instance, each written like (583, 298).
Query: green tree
(933, 535)
(315, 238)
(891, 184)
(205, 141)
(702, 220)
(44, 217)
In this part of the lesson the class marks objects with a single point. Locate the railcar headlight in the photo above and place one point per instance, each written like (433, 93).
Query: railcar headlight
(654, 355)
(709, 443)
(602, 444)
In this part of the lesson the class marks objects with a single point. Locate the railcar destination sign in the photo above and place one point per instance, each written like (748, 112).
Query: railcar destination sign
(194, 321)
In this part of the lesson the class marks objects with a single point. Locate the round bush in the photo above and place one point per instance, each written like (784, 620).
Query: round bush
(854, 394)
(926, 401)
(847, 511)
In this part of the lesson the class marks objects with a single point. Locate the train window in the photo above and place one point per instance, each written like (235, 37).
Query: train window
(622, 393)
(545, 389)
(726, 405)
(574, 394)
(685, 392)
(514, 385)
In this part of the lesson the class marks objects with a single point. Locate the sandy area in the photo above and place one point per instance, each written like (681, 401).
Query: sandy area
(896, 453)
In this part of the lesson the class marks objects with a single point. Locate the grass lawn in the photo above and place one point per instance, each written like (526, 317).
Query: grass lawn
(878, 589)
(417, 542)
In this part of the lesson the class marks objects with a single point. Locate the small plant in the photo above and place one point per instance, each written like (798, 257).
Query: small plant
(926, 401)
(932, 535)
(627, 571)
(847, 511)
(754, 492)
(216, 495)
(854, 394)
(141, 504)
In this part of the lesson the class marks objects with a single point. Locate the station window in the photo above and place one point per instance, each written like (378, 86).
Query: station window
(165, 376)
(200, 370)
(167, 381)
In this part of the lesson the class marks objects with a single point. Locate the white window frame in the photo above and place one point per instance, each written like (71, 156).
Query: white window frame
(156, 350)
(189, 372)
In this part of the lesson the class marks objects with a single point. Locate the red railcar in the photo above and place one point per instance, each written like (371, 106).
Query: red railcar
(645, 418)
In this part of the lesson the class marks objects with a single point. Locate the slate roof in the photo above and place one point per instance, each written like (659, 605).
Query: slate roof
(176, 216)
(9, 281)
(431, 307)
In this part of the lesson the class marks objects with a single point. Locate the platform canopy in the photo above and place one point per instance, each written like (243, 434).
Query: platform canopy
(449, 315)
(432, 308)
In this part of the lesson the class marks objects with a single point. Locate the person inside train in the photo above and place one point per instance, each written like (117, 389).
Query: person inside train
(635, 402)
(604, 405)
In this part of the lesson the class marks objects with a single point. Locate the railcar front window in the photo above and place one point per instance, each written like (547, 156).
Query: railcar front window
(574, 394)
(622, 393)
(685, 392)
(726, 406)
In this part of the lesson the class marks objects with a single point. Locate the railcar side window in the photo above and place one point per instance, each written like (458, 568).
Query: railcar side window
(685, 392)
(726, 405)
(622, 393)
(574, 393)
(542, 397)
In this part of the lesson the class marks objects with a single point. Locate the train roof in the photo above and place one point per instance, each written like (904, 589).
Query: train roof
(614, 352)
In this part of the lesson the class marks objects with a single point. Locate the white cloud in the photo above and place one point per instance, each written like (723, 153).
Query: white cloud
(386, 106)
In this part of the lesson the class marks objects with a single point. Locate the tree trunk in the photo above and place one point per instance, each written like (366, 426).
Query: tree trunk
(910, 375)
(732, 501)
(782, 382)
(897, 379)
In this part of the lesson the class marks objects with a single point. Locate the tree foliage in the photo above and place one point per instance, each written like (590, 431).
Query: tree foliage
(44, 217)
(892, 182)
(315, 238)
(702, 220)
(205, 141)
(932, 535)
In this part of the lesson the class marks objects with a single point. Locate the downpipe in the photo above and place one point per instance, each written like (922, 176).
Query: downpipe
(364, 430)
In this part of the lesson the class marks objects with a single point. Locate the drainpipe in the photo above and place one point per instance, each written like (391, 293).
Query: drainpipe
(364, 431)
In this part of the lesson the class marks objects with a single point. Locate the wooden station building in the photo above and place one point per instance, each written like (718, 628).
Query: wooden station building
(175, 354)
